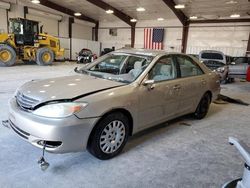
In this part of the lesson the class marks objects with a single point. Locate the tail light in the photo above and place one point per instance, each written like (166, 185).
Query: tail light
(248, 74)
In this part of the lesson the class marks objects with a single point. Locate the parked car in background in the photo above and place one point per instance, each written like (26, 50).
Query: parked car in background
(116, 96)
(86, 56)
(238, 68)
(216, 61)
(107, 50)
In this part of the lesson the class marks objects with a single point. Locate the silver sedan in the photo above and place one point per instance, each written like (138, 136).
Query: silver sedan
(107, 101)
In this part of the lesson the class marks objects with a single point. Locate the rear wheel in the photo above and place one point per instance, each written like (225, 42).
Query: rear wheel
(44, 56)
(110, 136)
(7, 56)
(203, 106)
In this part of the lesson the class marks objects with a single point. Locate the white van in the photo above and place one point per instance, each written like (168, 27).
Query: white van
(205, 55)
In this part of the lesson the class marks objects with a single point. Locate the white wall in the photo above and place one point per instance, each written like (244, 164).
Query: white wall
(231, 40)
(172, 39)
(3, 22)
(81, 31)
(50, 26)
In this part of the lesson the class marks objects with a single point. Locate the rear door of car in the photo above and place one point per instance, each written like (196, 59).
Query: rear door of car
(160, 101)
(192, 81)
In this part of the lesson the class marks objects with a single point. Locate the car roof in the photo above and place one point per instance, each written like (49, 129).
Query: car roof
(145, 52)
(211, 51)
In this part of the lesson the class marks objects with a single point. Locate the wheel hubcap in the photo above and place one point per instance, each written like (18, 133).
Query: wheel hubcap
(5, 56)
(46, 57)
(112, 136)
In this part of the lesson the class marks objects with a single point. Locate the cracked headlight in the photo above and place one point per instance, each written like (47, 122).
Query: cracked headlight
(59, 110)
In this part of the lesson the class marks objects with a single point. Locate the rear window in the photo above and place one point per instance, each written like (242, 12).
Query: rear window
(211, 56)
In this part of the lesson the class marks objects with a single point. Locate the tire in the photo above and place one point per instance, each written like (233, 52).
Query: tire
(7, 56)
(230, 80)
(203, 106)
(44, 56)
(102, 141)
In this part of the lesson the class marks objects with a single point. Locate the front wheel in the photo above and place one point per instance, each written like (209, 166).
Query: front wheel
(203, 106)
(7, 56)
(110, 136)
(44, 56)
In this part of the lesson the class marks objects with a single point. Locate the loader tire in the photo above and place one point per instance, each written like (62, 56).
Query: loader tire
(7, 55)
(44, 56)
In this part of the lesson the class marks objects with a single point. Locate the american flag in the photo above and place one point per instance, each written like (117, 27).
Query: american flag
(153, 38)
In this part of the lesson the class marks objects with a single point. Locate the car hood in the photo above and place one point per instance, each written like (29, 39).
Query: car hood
(67, 87)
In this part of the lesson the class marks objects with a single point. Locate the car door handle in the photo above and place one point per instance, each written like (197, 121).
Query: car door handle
(176, 87)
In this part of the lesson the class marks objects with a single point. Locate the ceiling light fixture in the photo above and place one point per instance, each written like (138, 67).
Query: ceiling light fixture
(77, 14)
(179, 6)
(193, 17)
(160, 19)
(109, 11)
(133, 20)
(235, 16)
(140, 9)
(231, 2)
(35, 1)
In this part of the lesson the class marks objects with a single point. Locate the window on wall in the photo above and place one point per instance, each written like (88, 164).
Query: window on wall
(163, 70)
(113, 32)
(188, 67)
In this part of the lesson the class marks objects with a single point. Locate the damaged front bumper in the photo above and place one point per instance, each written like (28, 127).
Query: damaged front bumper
(62, 135)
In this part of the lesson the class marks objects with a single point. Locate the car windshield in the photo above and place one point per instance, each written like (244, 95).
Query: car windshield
(211, 56)
(118, 67)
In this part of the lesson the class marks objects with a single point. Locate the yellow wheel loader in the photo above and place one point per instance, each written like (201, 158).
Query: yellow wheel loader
(24, 42)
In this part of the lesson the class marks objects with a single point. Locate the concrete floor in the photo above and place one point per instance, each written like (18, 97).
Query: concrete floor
(171, 155)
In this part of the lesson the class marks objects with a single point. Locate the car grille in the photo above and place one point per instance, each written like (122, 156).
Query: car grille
(25, 102)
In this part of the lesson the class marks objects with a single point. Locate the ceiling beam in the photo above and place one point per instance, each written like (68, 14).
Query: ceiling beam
(180, 15)
(65, 10)
(124, 17)
(220, 21)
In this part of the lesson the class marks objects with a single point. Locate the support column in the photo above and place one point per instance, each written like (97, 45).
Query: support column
(96, 31)
(25, 11)
(248, 46)
(185, 30)
(71, 21)
(132, 36)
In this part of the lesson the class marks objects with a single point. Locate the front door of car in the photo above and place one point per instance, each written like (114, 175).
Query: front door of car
(159, 93)
(193, 84)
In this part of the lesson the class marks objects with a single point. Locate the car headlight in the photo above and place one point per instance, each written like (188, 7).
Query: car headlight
(59, 110)
(221, 69)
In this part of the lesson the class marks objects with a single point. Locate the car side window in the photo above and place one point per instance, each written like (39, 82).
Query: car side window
(134, 62)
(164, 69)
(188, 67)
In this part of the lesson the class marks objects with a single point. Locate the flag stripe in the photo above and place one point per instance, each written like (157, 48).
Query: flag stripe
(153, 38)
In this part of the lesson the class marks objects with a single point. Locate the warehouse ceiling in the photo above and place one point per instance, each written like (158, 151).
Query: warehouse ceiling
(203, 9)
(154, 9)
(213, 9)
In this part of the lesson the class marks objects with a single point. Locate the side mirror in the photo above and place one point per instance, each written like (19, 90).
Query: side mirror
(149, 83)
